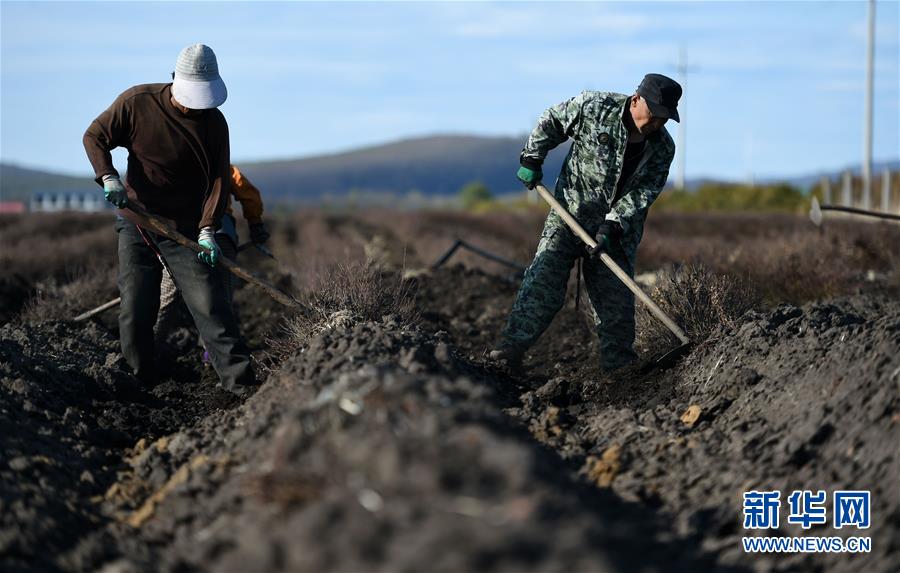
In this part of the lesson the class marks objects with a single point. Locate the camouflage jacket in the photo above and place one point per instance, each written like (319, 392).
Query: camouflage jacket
(587, 181)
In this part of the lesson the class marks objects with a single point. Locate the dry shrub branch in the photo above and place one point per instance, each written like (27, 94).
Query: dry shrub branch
(64, 298)
(786, 256)
(344, 295)
(699, 301)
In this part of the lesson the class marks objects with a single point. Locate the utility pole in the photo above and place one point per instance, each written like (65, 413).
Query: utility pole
(682, 141)
(748, 157)
(683, 70)
(867, 136)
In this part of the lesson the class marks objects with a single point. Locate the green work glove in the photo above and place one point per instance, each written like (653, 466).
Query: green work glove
(529, 177)
(607, 232)
(207, 240)
(114, 191)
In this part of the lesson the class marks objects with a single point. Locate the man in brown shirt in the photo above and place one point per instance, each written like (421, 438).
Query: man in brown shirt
(170, 311)
(179, 168)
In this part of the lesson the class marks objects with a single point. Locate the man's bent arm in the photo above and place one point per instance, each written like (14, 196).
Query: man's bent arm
(217, 198)
(557, 124)
(633, 206)
(248, 195)
(111, 129)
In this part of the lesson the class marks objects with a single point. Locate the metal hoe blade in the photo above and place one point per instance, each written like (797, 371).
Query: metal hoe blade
(259, 247)
(672, 357)
(815, 213)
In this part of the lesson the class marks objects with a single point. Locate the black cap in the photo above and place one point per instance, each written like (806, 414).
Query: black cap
(662, 94)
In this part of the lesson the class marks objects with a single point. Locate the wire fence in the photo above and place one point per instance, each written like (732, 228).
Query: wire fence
(848, 191)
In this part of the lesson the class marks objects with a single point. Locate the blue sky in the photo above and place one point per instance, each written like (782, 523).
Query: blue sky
(777, 90)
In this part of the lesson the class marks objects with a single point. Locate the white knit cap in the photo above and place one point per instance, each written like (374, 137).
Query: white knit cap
(197, 83)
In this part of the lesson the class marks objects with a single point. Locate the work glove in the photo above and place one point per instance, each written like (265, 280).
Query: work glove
(529, 177)
(607, 233)
(258, 233)
(207, 240)
(114, 191)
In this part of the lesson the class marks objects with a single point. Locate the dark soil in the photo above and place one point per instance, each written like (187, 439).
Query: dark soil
(381, 446)
(68, 411)
(796, 398)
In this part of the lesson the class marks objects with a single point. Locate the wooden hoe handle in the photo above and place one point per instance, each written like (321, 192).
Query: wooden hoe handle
(607, 260)
(160, 226)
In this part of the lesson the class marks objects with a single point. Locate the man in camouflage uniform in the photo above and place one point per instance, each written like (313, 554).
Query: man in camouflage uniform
(616, 168)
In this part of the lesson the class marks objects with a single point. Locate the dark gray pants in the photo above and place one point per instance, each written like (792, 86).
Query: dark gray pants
(170, 300)
(203, 292)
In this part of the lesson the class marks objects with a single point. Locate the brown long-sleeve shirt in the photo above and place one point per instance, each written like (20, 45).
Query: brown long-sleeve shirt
(179, 165)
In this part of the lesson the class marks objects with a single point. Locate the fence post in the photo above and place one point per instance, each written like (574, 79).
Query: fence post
(886, 191)
(826, 191)
(847, 199)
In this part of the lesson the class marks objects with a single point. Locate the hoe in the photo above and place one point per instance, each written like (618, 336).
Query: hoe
(159, 225)
(670, 357)
(118, 300)
(163, 228)
(815, 212)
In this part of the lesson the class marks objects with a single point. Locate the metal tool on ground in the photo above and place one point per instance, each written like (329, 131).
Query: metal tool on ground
(259, 247)
(815, 212)
(669, 357)
(478, 251)
(116, 301)
(158, 225)
(95, 311)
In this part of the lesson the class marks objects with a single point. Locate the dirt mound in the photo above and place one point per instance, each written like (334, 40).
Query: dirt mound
(374, 449)
(68, 407)
(384, 446)
(794, 398)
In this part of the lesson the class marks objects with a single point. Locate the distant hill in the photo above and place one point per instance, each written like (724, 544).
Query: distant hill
(807, 181)
(803, 182)
(432, 166)
(17, 183)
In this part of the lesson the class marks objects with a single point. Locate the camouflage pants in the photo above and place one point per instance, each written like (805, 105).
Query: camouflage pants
(543, 293)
